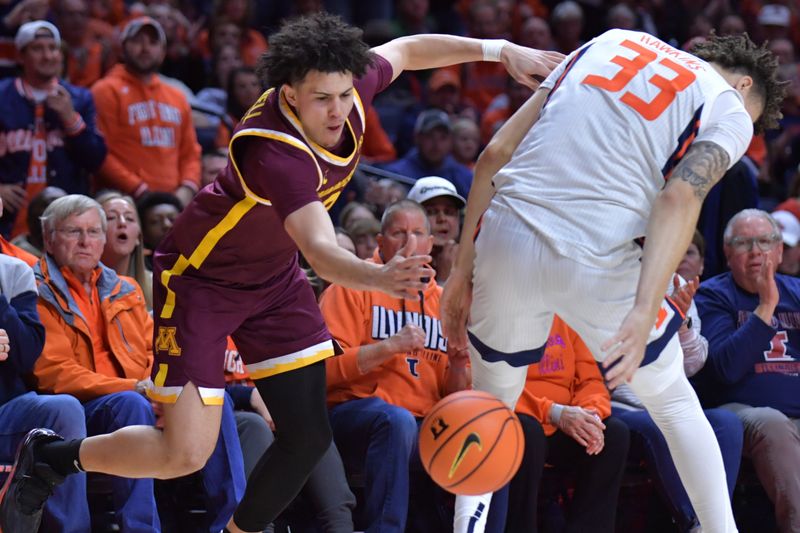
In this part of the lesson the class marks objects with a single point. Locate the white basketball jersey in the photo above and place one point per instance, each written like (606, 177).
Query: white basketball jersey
(622, 111)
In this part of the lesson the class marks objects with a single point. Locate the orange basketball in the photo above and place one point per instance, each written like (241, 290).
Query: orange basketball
(471, 443)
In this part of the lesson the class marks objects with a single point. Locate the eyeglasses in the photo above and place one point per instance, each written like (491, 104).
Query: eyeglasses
(765, 243)
(74, 234)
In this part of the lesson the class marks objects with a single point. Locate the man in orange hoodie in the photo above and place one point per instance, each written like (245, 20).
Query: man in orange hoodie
(394, 369)
(154, 144)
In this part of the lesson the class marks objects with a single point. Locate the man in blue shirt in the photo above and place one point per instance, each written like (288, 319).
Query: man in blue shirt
(431, 155)
(751, 318)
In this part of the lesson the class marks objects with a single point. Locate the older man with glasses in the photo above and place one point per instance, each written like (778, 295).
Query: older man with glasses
(99, 349)
(751, 318)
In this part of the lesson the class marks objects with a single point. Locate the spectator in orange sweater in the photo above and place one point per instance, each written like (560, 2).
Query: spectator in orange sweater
(155, 146)
(394, 369)
(564, 410)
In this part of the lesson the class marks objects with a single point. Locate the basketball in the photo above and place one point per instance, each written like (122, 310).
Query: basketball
(471, 443)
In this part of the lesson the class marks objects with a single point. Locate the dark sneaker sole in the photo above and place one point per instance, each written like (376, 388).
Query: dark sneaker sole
(11, 474)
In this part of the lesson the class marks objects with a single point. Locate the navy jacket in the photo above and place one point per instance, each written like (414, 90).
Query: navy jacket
(70, 158)
(20, 319)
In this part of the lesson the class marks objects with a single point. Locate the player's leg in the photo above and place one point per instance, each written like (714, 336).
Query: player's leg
(509, 323)
(284, 344)
(692, 443)
(296, 400)
(182, 447)
(190, 336)
(595, 303)
(329, 494)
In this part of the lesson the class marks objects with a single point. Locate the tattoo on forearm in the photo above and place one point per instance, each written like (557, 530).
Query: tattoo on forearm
(703, 165)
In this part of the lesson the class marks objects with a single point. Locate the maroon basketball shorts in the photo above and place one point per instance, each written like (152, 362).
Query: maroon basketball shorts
(276, 326)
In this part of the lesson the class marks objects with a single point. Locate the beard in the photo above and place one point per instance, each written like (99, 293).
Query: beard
(142, 66)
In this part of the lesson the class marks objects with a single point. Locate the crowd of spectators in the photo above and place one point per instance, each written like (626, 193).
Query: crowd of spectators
(114, 113)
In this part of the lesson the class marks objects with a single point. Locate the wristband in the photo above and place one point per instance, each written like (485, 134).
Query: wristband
(491, 49)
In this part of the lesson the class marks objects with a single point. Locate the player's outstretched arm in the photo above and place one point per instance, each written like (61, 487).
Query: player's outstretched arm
(312, 230)
(669, 232)
(458, 289)
(417, 52)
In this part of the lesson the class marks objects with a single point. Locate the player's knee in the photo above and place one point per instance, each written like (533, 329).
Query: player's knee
(185, 461)
(187, 453)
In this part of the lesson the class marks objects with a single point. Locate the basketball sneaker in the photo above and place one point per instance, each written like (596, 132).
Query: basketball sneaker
(28, 486)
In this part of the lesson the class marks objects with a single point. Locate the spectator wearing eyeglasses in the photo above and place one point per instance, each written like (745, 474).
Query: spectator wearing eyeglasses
(99, 348)
(751, 318)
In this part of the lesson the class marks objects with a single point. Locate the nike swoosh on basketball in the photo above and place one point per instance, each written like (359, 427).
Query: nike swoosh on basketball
(469, 440)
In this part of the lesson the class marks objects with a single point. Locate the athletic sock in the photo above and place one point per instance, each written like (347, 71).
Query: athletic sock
(62, 456)
(471, 512)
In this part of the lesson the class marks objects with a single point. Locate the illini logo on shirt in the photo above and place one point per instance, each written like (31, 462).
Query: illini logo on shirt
(387, 322)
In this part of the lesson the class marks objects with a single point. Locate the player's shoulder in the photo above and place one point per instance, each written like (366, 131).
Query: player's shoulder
(282, 150)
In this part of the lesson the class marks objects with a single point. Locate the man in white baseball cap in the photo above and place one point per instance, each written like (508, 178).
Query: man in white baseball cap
(790, 233)
(33, 30)
(48, 132)
(443, 206)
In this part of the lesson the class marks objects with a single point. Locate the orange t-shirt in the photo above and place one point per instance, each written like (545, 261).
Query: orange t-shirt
(89, 306)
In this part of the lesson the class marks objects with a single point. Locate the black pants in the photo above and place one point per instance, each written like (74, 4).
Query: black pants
(296, 400)
(597, 477)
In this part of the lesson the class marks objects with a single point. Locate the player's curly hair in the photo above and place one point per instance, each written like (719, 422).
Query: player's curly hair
(739, 54)
(321, 41)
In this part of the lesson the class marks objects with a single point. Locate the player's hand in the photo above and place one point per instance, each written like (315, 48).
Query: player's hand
(627, 347)
(5, 345)
(408, 339)
(13, 196)
(60, 101)
(584, 426)
(258, 405)
(528, 66)
(406, 274)
(682, 296)
(454, 308)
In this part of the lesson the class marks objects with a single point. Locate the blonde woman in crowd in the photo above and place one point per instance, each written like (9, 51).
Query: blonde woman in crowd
(124, 250)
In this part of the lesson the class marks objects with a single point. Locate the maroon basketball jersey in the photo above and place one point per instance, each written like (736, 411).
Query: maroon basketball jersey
(232, 232)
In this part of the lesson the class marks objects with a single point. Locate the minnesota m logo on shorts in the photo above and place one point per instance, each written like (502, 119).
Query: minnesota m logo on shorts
(166, 341)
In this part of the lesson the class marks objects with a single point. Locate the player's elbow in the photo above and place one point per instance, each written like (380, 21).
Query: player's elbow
(495, 155)
(679, 195)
